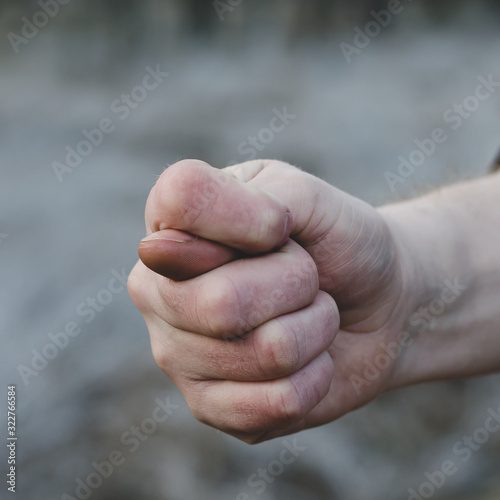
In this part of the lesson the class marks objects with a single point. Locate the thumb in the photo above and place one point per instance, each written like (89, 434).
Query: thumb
(181, 256)
(199, 218)
(194, 197)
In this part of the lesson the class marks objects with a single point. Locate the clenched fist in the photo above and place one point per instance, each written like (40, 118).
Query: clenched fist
(267, 292)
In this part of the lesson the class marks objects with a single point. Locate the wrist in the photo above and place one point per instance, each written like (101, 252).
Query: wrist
(437, 279)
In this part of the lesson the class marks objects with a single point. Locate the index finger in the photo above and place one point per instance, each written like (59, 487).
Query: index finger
(194, 197)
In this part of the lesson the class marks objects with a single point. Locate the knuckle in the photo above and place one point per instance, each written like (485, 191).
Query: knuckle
(284, 404)
(308, 271)
(198, 402)
(197, 411)
(328, 316)
(164, 350)
(161, 356)
(276, 355)
(217, 306)
(136, 287)
(301, 277)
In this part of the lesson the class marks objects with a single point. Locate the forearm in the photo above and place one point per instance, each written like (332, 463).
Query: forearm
(450, 247)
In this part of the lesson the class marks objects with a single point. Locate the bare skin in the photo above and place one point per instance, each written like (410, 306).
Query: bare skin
(268, 292)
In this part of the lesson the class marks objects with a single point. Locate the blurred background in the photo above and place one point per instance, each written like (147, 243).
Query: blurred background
(71, 216)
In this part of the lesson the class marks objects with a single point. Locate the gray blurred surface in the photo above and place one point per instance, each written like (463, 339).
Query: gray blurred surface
(64, 239)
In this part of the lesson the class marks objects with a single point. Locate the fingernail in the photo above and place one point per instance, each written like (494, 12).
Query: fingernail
(288, 226)
(182, 238)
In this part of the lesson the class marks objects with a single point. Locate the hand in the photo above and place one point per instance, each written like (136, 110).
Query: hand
(293, 286)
